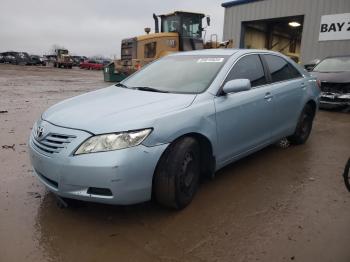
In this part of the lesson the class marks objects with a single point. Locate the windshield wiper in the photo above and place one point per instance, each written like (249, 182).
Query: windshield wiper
(150, 89)
(121, 85)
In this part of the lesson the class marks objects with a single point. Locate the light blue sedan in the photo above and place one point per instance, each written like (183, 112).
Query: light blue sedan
(179, 119)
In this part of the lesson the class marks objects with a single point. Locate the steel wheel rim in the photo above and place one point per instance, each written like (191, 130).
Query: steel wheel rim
(187, 172)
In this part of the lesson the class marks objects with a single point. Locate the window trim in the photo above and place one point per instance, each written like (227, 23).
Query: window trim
(261, 54)
(220, 92)
(269, 72)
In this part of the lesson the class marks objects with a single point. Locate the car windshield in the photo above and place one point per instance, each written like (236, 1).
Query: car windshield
(178, 74)
(334, 64)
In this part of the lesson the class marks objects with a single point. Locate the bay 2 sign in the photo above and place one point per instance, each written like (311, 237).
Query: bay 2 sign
(335, 27)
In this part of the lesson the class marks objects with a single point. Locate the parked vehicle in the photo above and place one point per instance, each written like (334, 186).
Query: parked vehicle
(24, 58)
(2, 58)
(91, 64)
(63, 59)
(10, 59)
(17, 58)
(105, 62)
(310, 66)
(176, 120)
(77, 60)
(175, 32)
(334, 75)
(50, 59)
(37, 60)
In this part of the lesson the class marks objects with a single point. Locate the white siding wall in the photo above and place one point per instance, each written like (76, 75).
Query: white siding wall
(312, 10)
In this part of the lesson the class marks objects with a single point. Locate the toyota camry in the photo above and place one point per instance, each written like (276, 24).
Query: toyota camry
(175, 121)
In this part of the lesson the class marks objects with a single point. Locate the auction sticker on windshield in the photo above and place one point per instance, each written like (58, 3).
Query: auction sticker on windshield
(210, 60)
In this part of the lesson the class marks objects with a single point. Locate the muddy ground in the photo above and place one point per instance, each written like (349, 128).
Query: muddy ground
(276, 205)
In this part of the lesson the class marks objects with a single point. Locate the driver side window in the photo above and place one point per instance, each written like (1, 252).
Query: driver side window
(248, 67)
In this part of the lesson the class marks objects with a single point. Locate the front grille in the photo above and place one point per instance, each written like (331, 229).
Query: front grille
(335, 99)
(128, 51)
(339, 88)
(53, 143)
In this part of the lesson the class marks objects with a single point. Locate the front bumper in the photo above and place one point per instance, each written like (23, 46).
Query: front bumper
(333, 100)
(126, 173)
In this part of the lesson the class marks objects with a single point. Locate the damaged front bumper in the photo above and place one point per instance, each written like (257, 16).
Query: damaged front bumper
(333, 100)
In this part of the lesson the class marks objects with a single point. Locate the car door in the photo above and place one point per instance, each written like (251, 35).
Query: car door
(287, 86)
(244, 118)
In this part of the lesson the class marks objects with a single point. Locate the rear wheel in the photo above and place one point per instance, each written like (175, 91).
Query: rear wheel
(177, 175)
(304, 126)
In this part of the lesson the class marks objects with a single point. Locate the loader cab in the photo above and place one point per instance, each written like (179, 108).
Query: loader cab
(187, 25)
(177, 31)
(61, 51)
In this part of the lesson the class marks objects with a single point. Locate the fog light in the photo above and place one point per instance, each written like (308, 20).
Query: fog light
(99, 191)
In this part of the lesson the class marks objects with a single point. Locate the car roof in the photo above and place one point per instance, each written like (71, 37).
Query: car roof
(223, 51)
(218, 51)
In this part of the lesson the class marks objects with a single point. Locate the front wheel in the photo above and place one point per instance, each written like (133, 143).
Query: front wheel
(177, 174)
(304, 126)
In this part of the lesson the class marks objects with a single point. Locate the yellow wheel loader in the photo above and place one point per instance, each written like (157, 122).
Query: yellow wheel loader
(178, 31)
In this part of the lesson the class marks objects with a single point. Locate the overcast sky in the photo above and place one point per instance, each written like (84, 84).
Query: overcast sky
(89, 27)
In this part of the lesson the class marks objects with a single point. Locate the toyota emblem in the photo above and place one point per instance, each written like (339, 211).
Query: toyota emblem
(39, 132)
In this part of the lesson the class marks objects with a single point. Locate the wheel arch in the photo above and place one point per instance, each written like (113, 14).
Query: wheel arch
(206, 154)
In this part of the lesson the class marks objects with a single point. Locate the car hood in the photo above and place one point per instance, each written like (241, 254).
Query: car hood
(115, 109)
(333, 77)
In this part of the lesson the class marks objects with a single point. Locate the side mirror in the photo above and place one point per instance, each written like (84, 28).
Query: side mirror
(236, 85)
(208, 21)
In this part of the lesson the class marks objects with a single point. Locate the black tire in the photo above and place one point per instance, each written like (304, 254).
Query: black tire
(177, 175)
(346, 175)
(70, 203)
(304, 126)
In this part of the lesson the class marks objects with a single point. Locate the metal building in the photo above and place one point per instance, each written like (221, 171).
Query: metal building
(302, 29)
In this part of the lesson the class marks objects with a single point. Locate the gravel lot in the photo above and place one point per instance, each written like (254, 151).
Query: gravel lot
(276, 205)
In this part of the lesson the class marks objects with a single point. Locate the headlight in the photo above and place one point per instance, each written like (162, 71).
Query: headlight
(108, 142)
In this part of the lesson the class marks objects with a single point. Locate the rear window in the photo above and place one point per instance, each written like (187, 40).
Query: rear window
(280, 69)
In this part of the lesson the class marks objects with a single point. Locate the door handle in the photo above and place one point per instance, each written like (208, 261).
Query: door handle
(302, 85)
(268, 96)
